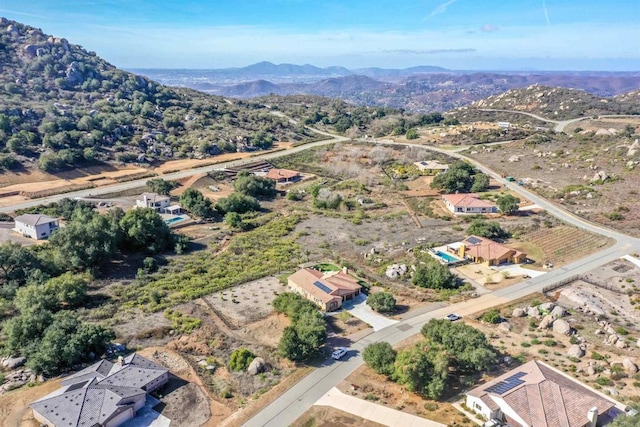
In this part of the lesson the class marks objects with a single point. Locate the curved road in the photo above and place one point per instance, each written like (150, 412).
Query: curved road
(560, 124)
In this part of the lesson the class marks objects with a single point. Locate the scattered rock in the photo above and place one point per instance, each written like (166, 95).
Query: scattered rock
(599, 332)
(533, 312)
(629, 366)
(558, 312)
(505, 327)
(547, 306)
(519, 312)
(600, 176)
(257, 365)
(612, 391)
(547, 322)
(562, 327)
(611, 339)
(13, 362)
(575, 351)
(621, 343)
(591, 370)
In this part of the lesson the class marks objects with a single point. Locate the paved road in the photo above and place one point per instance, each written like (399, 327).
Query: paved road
(298, 399)
(560, 124)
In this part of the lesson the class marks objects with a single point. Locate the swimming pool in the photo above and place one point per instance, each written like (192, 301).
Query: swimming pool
(173, 220)
(445, 256)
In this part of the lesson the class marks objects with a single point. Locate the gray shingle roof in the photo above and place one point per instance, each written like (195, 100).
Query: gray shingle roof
(98, 393)
(34, 219)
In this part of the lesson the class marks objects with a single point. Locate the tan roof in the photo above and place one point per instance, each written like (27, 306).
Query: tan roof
(542, 396)
(479, 247)
(282, 174)
(152, 197)
(325, 287)
(431, 164)
(467, 200)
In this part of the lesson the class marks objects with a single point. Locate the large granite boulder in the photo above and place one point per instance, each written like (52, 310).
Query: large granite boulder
(256, 366)
(505, 326)
(575, 351)
(519, 312)
(621, 343)
(629, 366)
(547, 322)
(562, 327)
(558, 312)
(533, 312)
(547, 307)
(13, 362)
(612, 339)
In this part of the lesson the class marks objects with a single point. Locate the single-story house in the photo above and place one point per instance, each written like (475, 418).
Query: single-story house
(485, 251)
(36, 226)
(104, 394)
(468, 203)
(327, 290)
(283, 175)
(154, 201)
(431, 167)
(535, 394)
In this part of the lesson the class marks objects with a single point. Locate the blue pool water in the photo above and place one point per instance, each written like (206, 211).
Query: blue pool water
(445, 256)
(172, 220)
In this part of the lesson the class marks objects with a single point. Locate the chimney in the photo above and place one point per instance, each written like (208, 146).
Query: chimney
(345, 270)
(592, 416)
(146, 204)
(120, 360)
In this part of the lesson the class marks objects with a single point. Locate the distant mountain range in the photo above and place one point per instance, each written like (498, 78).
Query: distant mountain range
(422, 89)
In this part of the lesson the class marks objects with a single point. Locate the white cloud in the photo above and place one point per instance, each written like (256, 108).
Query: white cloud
(488, 28)
(441, 8)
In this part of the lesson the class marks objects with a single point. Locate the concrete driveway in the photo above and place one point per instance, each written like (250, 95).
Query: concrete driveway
(147, 417)
(358, 308)
(516, 270)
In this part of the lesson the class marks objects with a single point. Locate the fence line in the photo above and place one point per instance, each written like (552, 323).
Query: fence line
(586, 279)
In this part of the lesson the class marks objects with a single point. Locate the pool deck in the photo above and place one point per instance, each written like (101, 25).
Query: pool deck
(443, 249)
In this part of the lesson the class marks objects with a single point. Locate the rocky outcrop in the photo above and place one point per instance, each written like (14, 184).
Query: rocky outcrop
(562, 327)
(546, 307)
(629, 366)
(505, 327)
(558, 312)
(621, 343)
(519, 312)
(256, 366)
(575, 351)
(533, 312)
(13, 362)
(16, 379)
(611, 339)
(547, 322)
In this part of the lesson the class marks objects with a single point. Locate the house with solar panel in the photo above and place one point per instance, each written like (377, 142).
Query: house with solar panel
(105, 394)
(535, 394)
(481, 250)
(327, 290)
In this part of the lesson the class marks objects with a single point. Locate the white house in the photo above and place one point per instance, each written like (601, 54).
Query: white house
(36, 226)
(432, 167)
(153, 201)
(467, 203)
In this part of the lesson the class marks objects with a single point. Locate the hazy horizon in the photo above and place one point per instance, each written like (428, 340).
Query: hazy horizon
(541, 35)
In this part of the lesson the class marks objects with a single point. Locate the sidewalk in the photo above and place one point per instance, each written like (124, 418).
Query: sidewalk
(373, 412)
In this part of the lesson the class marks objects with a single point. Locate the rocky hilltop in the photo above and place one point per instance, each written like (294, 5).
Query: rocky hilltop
(63, 107)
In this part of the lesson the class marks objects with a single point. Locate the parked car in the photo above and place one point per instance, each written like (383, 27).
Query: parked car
(453, 317)
(492, 423)
(526, 276)
(338, 353)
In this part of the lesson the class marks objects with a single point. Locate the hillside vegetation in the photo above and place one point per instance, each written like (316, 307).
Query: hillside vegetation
(63, 107)
(559, 103)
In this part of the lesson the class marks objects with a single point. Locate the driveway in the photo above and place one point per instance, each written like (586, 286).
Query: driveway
(358, 308)
(516, 270)
(147, 417)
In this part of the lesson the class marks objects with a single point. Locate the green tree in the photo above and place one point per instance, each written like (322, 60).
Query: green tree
(161, 186)
(308, 330)
(70, 289)
(480, 183)
(255, 186)
(412, 134)
(380, 357)
(195, 202)
(24, 330)
(434, 275)
(240, 359)
(16, 262)
(87, 241)
(237, 202)
(290, 345)
(144, 229)
(508, 204)
(458, 178)
(488, 229)
(492, 316)
(381, 301)
(413, 368)
(625, 421)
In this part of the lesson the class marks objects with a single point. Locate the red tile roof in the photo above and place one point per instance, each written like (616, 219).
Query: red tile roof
(338, 283)
(479, 247)
(467, 200)
(278, 174)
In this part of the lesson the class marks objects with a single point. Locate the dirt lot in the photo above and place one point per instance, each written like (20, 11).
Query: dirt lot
(564, 169)
(14, 406)
(326, 416)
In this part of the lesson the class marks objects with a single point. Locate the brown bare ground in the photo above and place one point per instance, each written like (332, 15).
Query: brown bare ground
(14, 406)
(326, 416)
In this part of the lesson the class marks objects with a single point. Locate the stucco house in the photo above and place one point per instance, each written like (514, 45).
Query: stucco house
(283, 175)
(36, 226)
(535, 394)
(327, 290)
(468, 203)
(105, 394)
(485, 251)
(431, 167)
(154, 201)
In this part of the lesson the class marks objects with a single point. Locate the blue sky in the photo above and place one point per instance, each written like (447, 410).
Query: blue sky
(458, 34)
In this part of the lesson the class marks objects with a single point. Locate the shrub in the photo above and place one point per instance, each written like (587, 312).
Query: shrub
(380, 357)
(492, 316)
(552, 343)
(240, 359)
(381, 301)
(604, 381)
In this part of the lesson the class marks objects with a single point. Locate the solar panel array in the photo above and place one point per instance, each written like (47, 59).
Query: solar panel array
(507, 384)
(473, 240)
(323, 287)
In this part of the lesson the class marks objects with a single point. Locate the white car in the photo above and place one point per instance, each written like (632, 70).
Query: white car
(453, 317)
(339, 352)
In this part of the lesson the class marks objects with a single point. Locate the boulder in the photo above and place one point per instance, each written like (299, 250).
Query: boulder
(629, 366)
(638, 343)
(562, 327)
(621, 343)
(547, 322)
(612, 391)
(533, 312)
(599, 332)
(611, 339)
(256, 366)
(13, 362)
(558, 312)
(575, 351)
(591, 370)
(547, 306)
(505, 327)
(519, 312)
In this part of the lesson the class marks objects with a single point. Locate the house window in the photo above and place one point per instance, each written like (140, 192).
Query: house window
(477, 406)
